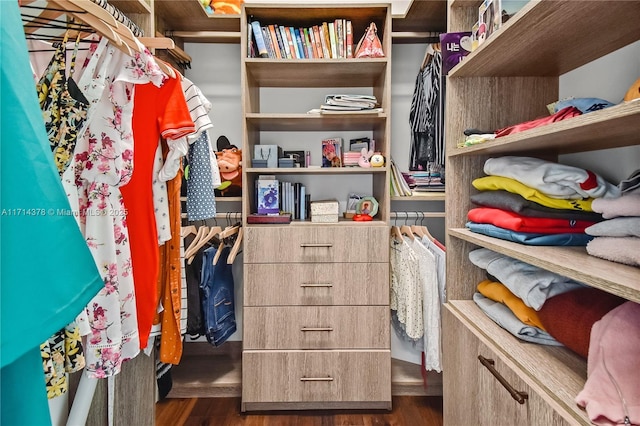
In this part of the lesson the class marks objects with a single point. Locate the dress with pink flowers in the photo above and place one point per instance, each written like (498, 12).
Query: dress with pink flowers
(102, 163)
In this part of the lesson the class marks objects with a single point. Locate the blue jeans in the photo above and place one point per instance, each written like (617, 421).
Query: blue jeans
(217, 297)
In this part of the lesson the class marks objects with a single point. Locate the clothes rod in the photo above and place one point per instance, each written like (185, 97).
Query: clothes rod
(415, 215)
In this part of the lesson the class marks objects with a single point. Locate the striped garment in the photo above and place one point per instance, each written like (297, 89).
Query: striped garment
(426, 117)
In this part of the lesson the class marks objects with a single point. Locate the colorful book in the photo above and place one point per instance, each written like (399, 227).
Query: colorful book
(326, 42)
(267, 42)
(349, 40)
(283, 52)
(317, 41)
(260, 43)
(268, 196)
(292, 45)
(332, 39)
(307, 43)
(274, 41)
(302, 53)
(332, 152)
(285, 42)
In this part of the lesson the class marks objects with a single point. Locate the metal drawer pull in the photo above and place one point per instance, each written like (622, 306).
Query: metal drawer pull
(316, 329)
(316, 285)
(316, 379)
(521, 397)
(316, 245)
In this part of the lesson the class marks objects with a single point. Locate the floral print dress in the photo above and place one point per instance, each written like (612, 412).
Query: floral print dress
(64, 110)
(102, 163)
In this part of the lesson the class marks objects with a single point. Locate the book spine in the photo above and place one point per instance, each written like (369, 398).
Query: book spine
(303, 197)
(307, 43)
(326, 41)
(301, 50)
(296, 199)
(267, 42)
(283, 52)
(260, 43)
(283, 33)
(274, 41)
(292, 45)
(339, 38)
(318, 42)
(251, 53)
(349, 40)
(332, 39)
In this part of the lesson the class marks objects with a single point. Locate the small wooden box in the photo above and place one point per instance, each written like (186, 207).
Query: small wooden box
(325, 211)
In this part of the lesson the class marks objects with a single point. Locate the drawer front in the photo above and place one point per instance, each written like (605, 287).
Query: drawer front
(316, 327)
(280, 284)
(305, 376)
(287, 244)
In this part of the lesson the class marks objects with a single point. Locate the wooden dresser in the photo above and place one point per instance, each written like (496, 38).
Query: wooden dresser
(316, 317)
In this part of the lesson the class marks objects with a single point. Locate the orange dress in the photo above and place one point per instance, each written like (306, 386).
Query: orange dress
(158, 111)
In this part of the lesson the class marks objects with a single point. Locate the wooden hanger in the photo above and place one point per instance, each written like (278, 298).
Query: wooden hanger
(188, 230)
(396, 234)
(202, 231)
(406, 230)
(236, 248)
(191, 254)
(224, 236)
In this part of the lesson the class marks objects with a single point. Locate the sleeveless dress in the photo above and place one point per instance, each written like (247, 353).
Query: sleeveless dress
(64, 109)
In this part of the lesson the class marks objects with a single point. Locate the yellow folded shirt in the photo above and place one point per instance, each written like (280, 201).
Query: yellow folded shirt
(499, 293)
(492, 183)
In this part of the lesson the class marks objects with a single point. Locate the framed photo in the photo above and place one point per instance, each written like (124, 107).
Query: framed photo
(367, 205)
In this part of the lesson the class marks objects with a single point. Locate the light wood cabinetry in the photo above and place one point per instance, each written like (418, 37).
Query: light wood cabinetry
(510, 79)
(316, 296)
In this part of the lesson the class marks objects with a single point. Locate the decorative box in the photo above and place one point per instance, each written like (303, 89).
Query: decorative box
(286, 162)
(270, 153)
(325, 211)
(256, 162)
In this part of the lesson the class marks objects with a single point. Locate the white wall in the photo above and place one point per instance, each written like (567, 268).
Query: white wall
(607, 78)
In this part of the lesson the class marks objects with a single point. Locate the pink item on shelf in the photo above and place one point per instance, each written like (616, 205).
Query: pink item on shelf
(611, 393)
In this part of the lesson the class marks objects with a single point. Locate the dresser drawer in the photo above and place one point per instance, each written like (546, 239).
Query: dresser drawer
(316, 327)
(307, 376)
(279, 284)
(325, 243)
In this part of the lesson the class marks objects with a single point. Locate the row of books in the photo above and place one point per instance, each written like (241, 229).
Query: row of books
(274, 197)
(323, 41)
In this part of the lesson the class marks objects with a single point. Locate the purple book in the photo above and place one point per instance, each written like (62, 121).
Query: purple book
(455, 46)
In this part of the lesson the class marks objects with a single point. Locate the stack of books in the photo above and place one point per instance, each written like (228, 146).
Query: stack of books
(399, 186)
(350, 158)
(428, 181)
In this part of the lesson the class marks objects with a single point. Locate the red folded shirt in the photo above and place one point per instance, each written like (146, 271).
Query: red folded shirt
(515, 222)
(564, 113)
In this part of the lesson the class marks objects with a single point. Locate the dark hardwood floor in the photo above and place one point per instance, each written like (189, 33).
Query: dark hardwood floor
(407, 411)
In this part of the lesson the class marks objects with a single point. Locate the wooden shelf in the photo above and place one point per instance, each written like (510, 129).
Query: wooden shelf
(313, 72)
(314, 122)
(422, 196)
(562, 374)
(572, 262)
(612, 127)
(550, 38)
(317, 170)
(131, 6)
(188, 15)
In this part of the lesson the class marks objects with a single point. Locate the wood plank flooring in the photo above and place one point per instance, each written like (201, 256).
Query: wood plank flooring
(407, 411)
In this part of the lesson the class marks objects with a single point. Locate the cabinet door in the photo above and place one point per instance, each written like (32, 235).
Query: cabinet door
(477, 393)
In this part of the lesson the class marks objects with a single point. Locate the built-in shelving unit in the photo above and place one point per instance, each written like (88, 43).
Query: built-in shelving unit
(516, 73)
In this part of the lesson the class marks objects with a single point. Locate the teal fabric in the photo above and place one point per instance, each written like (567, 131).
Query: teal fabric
(46, 270)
